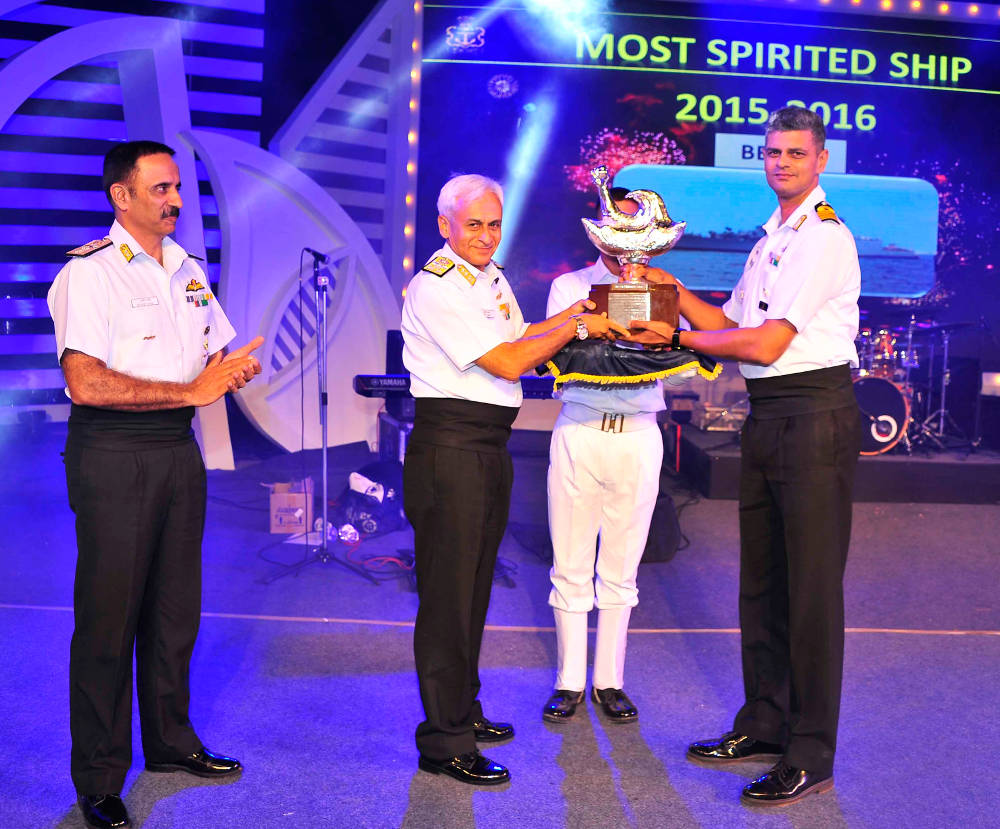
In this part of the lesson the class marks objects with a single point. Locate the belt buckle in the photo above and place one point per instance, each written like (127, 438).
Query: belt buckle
(612, 422)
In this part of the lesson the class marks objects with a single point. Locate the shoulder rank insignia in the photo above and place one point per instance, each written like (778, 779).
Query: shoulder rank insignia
(467, 274)
(126, 252)
(496, 264)
(194, 285)
(90, 247)
(195, 256)
(439, 265)
(826, 213)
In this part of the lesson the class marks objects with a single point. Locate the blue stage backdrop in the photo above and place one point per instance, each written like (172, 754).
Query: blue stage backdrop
(673, 96)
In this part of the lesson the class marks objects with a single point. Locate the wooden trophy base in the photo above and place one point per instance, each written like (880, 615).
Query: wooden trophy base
(627, 301)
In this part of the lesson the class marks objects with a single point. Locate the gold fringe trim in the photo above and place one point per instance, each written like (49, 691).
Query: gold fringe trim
(608, 380)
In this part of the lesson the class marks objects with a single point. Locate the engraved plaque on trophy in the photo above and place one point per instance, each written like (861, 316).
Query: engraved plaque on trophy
(633, 238)
(627, 301)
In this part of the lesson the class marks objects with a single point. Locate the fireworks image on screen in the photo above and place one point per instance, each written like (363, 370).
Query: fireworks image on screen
(615, 148)
(968, 225)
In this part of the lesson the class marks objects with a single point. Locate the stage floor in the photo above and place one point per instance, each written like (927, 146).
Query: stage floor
(309, 679)
(711, 461)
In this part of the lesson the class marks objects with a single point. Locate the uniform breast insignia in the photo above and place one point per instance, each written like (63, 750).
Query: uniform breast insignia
(505, 310)
(199, 300)
(762, 305)
(466, 274)
(196, 299)
(126, 251)
(802, 218)
(439, 265)
(826, 213)
(90, 247)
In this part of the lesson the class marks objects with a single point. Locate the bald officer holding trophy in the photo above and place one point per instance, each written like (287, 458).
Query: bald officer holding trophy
(466, 346)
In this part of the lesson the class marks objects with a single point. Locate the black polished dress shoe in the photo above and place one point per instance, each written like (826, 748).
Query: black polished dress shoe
(488, 731)
(561, 706)
(785, 784)
(732, 747)
(616, 706)
(470, 768)
(202, 763)
(103, 811)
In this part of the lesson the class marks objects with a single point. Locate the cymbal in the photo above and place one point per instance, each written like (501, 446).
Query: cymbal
(946, 326)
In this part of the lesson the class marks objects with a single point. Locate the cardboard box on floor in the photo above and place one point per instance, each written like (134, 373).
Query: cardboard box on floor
(291, 506)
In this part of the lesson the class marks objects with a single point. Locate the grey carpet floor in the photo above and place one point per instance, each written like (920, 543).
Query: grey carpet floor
(309, 679)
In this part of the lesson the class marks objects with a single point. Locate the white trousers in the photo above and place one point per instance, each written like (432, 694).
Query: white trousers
(600, 483)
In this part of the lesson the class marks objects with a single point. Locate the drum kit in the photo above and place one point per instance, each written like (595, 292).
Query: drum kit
(895, 407)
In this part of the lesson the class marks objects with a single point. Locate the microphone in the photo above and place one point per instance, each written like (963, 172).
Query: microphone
(319, 257)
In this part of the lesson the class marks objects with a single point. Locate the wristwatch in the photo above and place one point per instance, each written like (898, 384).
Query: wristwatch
(675, 340)
(581, 329)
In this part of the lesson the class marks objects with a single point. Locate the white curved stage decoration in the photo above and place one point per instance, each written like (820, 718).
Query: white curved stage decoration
(268, 211)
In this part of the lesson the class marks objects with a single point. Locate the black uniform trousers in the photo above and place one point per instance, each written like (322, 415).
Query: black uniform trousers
(457, 479)
(138, 490)
(800, 449)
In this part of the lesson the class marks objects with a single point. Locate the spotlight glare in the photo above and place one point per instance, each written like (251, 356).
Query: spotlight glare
(973, 9)
(886, 5)
(944, 8)
(916, 5)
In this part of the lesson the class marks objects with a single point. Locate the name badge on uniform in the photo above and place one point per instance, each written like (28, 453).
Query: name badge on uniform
(144, 301)
(489, 313)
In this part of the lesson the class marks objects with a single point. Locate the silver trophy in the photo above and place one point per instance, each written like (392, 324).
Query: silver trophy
(633, 239)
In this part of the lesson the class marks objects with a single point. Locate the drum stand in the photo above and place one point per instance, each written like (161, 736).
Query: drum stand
(945, 429)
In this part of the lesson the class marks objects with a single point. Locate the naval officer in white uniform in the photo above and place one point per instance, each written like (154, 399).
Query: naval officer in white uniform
(791, 322)
(466, 345)
(603, 480)
(139, 337)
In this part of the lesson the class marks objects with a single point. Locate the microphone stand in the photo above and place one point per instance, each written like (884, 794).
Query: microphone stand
(321, 287)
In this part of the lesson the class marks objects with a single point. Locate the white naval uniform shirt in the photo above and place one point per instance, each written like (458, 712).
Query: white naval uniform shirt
(140, 318)
(449, 322)
(804, 270)
(564, 292)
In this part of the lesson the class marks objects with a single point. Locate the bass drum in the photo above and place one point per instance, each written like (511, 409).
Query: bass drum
(885, 414)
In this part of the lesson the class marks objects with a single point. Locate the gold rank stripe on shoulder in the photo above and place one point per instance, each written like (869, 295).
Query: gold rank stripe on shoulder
(467, 274)
(826, 213)
(90, 247)
(439, 265)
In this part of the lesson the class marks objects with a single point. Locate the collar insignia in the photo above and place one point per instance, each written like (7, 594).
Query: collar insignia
(466, 274)
(126, 252)
(798, 224)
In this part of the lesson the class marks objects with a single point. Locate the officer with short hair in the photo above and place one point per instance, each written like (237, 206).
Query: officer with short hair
(139, 336)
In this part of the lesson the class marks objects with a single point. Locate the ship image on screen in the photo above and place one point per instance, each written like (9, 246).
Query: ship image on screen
(894, 222)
